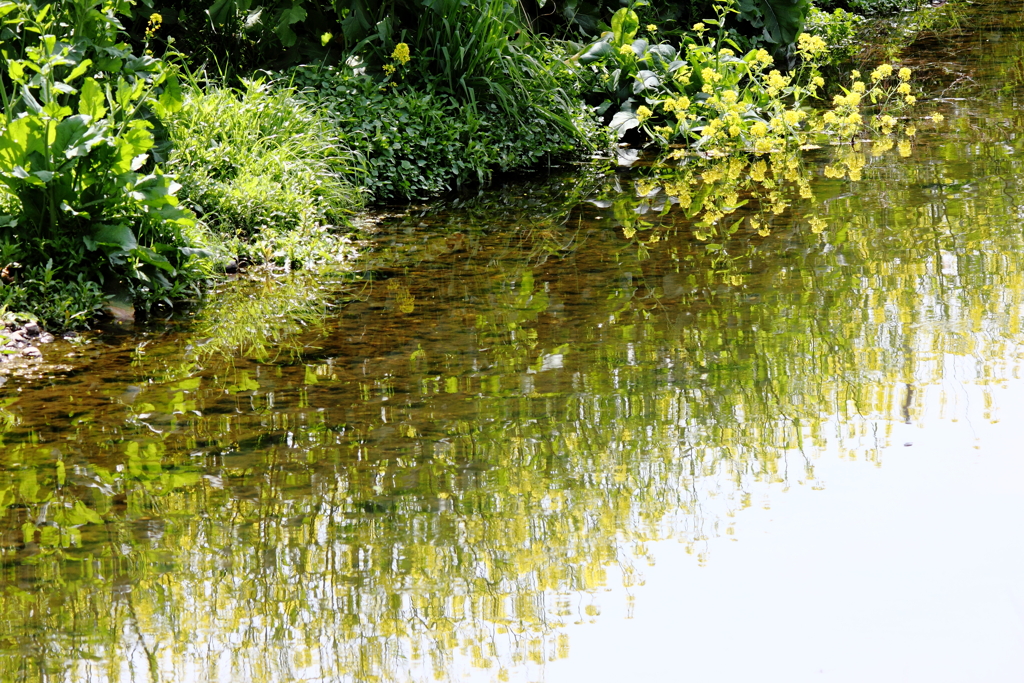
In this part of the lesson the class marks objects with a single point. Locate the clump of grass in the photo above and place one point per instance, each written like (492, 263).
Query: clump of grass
(264, 173)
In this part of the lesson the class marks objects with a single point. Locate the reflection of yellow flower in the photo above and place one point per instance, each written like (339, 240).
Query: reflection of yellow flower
(937, 117)
(401, 53)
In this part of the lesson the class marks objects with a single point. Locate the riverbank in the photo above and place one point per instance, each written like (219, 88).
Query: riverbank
(186, 175)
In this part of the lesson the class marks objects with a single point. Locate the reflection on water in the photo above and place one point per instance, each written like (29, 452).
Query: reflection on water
(442, 455)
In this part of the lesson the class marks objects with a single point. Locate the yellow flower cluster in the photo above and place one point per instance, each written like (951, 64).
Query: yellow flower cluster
(153, 25)
(401, 54)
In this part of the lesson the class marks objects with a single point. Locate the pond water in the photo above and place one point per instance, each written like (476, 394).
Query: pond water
(562, 432)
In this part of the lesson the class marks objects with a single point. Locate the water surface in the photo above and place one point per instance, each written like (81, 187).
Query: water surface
(467, 457)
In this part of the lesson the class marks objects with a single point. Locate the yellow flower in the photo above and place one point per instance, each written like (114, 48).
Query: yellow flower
(910, 99)
(759, 129)
(811, 45)
(855, 74)
(156, 19)
(729, 96)
(817, 225)
(818, 81)
(777, 80)
(401, 53)
(699, 27)
(643, 113)
(858, 86)
(652, 28)
(792, 117)
(903, 88)
(937, 117)
(883, 71)
(911, 131)
(904, 74)
(626, 50)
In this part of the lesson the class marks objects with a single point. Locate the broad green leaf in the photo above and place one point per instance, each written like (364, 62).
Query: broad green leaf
(92, 102)
(623, 122)
(116, 236)
(170, 100)
(625, 24)
(78, 70)
(293, 14)
(595, 52)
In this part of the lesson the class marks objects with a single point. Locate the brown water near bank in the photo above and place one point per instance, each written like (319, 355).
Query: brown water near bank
(435, 467)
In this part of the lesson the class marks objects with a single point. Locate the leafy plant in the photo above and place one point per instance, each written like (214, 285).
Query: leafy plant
(75, 149)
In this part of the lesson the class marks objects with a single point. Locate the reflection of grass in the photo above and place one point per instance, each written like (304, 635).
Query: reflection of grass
(257, 317)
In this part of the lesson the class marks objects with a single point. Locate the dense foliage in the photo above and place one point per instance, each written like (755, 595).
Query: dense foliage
(118, 181)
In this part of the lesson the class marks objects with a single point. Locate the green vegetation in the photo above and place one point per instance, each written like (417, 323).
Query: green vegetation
(118, 180)
(265, 175)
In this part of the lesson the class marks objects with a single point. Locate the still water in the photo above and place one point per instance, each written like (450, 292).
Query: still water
(566, 431)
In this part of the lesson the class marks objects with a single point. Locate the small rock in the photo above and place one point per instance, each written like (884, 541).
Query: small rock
(31, 352)
(17, 336)
(45, 338)
(32, 328)
(908, 444)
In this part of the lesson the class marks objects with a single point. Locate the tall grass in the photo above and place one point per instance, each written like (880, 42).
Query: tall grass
(263, 171)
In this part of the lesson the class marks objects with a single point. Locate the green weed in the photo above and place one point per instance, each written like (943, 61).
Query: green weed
(261, 170)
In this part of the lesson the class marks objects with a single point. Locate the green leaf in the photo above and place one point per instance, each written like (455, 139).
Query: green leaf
(596, 52)
(623, 121)
(78, 70)
(625, 24)
(292, 15)
(92, 102)
(116, 236)
(75, 137)
(170, 100)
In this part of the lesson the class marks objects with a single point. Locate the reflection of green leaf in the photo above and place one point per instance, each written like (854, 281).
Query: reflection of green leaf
(245, 383)
(28, 487)
(310, 377)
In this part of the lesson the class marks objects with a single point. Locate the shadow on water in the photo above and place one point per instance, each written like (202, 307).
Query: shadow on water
(424, 463)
